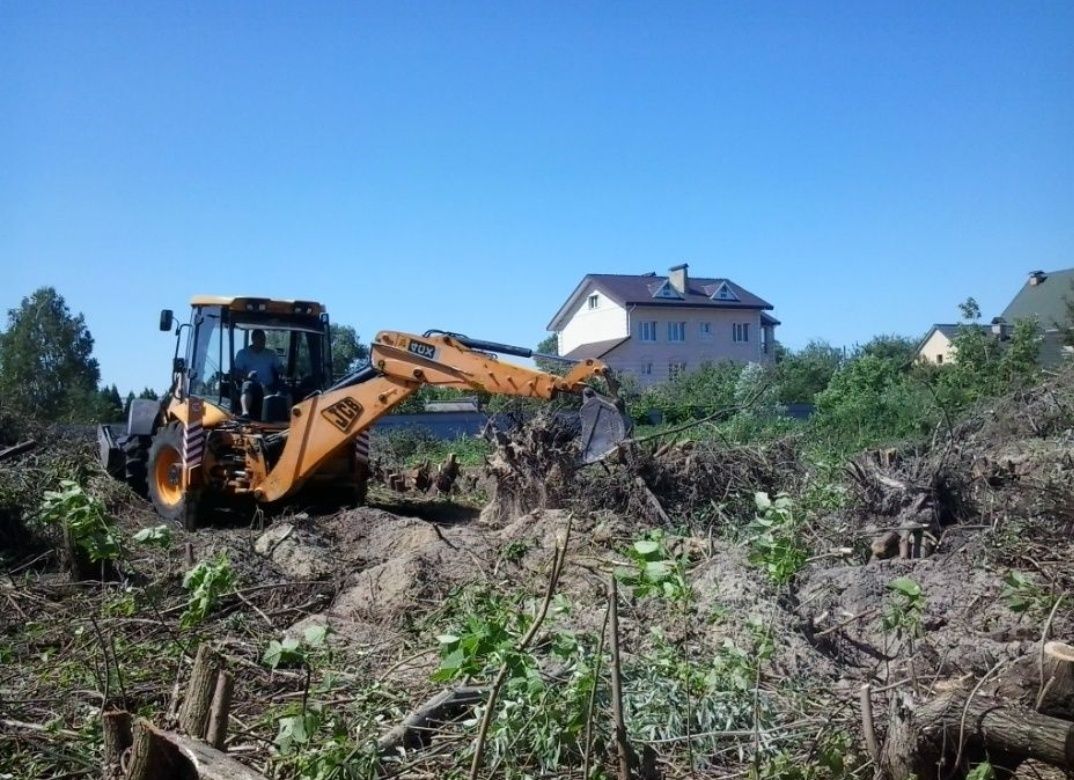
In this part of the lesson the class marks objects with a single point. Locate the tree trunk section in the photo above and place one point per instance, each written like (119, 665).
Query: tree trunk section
(925, 740)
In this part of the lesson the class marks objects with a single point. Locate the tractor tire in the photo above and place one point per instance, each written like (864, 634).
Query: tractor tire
(135, 462)
(165, 480)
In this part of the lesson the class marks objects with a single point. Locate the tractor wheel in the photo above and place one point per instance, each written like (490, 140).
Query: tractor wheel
(166, 479)
(135, 458)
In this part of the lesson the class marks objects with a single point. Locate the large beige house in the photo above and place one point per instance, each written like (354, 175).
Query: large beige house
(653, 327)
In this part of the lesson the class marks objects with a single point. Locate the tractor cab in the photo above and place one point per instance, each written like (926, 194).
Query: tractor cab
(282, 347)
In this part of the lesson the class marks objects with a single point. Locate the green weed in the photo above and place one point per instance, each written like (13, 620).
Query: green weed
(774, 538)
(207, 582)
(84, 520)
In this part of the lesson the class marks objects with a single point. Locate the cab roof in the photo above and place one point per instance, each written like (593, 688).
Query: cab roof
(247, 303)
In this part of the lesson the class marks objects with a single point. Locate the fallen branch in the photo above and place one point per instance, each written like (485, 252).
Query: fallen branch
(444, 706)
(17, 449)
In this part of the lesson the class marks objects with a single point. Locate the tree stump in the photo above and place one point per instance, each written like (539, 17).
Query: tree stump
(194, 714)
(448, 473)
(117, 736)
(216, 733)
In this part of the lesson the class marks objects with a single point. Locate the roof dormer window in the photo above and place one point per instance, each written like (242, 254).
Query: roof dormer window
(724, 293)
(666, 290)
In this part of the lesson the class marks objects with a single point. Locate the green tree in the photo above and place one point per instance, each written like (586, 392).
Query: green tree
(899, 349)
(872, 400)
(109, 407)
(550, 346)
(984, 365)
(149, 394)
(1066, 328)
(802, 375)
(348, 352)
(46, 365)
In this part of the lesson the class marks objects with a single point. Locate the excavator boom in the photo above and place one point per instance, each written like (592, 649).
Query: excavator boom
(401, 363)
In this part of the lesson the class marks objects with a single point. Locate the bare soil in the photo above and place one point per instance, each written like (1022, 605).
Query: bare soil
(993, 496)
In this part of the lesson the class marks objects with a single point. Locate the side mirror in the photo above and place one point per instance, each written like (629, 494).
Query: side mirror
(167, 319)
(178, 365)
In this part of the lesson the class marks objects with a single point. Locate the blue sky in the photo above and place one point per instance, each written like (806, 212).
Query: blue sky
(863, 166)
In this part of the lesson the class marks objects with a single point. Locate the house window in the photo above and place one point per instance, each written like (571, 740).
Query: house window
(675, 368)
(764, 340)
(939, 359)
(676, 331)
(647, 367)
(648, 331)
(740, 332)
(593, 301)
(705, 331)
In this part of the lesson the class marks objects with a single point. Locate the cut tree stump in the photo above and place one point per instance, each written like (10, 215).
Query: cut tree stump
(420, 477)
(1048, 689)
(194, 714)
(116, 736)
(448, 473)
(216, 733)
(164, 755)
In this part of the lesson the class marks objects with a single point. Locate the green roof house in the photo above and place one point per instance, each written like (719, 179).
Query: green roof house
(1044, 298)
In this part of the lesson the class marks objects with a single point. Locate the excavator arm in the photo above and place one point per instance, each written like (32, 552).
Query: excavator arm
(401, 363)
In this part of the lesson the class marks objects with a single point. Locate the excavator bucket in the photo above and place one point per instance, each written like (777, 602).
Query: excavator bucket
(603, 427)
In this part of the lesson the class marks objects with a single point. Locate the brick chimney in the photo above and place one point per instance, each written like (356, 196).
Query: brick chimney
(1036, 277)
(678, 278)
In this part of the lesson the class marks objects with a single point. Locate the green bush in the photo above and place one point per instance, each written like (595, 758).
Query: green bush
(84, 521)
(873, 400)
(690, 395)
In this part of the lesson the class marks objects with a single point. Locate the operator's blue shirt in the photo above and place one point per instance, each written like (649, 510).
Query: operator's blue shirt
(265, 363)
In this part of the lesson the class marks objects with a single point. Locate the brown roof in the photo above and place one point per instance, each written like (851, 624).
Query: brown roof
(638, 290)
(594, 349)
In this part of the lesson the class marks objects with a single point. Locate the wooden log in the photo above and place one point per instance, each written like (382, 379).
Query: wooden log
(216, 733)
(17, 449)
(194, 714)
(927, 740)
(442, 707)
(116, 736)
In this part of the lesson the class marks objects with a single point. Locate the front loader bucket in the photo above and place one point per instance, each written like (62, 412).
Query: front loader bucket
(603, 427)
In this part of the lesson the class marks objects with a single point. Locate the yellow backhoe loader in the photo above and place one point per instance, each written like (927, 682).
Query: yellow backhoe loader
(253, 412)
